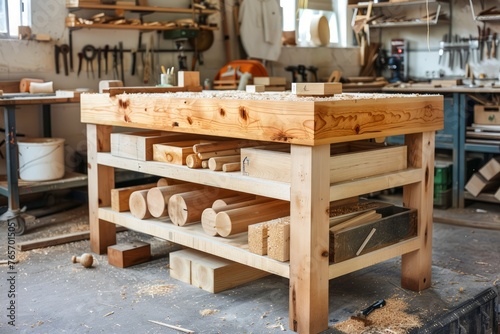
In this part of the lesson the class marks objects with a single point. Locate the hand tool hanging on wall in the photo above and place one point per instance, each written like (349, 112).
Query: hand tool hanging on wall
(99, 52)
(80, 61)
(57, 52)
(133, 54)
(71, 49)
(65, 53)
(115, 63)
(293, 70)
(301, 69)
(122, 71)
(89, 54)
(106, 50)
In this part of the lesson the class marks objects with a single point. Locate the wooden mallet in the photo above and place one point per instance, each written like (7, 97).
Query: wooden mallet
(86, 260)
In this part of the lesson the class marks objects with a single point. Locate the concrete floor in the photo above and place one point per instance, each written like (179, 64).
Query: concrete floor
(53, 295)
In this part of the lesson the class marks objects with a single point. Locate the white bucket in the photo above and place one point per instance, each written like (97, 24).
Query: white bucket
(41, 159)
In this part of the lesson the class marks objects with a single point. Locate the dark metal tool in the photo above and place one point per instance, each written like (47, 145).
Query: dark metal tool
(122, 71)
(99, 52)
(363, 314)
(57, 52)
(293, 70)
(65, 53)
(106, 50)
(89, 54)
(80, 61)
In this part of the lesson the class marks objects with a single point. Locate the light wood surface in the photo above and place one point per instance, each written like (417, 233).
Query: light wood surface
(138, 204)
(157, 198)
(120, 196)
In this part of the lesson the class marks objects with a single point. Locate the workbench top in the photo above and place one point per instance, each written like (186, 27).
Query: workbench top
(429, 88)
(277, 117)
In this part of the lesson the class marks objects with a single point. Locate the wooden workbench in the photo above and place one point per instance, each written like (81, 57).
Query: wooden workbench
(309, 125)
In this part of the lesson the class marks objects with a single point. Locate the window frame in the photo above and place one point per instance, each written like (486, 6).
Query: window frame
(23, 13)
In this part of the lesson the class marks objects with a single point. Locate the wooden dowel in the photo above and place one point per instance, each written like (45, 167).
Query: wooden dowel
(165, 181)
(193, 161)
(157, 197)
(224, 145)
(231, 167)
(204, 163)
(120, 196)
(237, 220)
(208, 215)
(363, 245)
(216, 163)
(138, 205)
(186, 208)
(208, 155)
(232, 199)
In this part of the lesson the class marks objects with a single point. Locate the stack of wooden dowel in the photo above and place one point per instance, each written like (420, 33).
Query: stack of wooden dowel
(222, 212)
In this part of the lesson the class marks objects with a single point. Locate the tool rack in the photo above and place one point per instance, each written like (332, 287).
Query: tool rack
(309, 125)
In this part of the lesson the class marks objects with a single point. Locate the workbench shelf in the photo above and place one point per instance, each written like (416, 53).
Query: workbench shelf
(309, 194)
(491, 14)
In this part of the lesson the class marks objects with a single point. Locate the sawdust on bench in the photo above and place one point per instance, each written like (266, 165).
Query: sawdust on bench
(392, 318)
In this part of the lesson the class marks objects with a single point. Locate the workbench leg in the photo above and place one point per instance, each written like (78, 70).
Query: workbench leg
(309, 238)
(101, 179)
(417, 265)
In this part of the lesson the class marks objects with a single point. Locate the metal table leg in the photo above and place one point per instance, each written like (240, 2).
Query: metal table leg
(13, 214)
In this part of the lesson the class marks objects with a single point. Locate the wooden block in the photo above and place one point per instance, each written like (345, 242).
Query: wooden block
(180, 264)
(214, 274)
(129, 254)
(486, 114)
(255, 88)
(446, 82)
(278, 243)
(497, 194)
(397, 224)
(257, 238)
(478, 184)
(120, 196)
(357, 162)
(316, 88)
(175, 152)
(139, 145)
(491, 170)
(188, 78)
(269, 81)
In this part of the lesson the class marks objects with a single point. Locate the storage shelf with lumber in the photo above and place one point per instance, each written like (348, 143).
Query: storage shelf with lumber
(308, 126)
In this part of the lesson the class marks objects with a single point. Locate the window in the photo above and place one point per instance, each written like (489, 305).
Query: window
(14, 13)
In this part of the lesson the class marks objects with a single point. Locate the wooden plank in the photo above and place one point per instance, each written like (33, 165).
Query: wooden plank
(478, 184)
(316, 88)
(278, 242)
(120, 196)
(114, 91)
(214, 274)
(358, 219)
(269, 81)
(57, 240)
(491, 169)
(257, 238)
(188, 79)
(139, 145)
(174, 152)
(309, 239)
(416, 273)
(180, 264)
(129, 254)
(344, 166)
(290, 119)
(101, 180)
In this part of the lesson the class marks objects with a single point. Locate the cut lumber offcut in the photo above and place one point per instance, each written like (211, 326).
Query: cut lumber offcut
(257, 238)
(255, 88)
(129, 254)
(231, 167)
(478, 184)
(216, 163)
(165, 181)
(157, 197)
(208, 155)
(186, 208)
(236, 221)
(58, 240)
(175, 152)
(138, 204)
(120, 196)
(278, 242)
(208, 215)
(193, 161)
(497, 194)
(363, 218)
(231, 200)
(225, 145)
(180, 264)
(316, 88)
(491, 170)
(269, 81)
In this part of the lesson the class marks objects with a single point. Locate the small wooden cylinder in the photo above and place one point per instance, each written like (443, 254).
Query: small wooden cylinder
(186, 208)
(138, 204)
(216, 163)
(233, 199)
(231, 167)
(193, 161)
(237, 220)
(157, 197)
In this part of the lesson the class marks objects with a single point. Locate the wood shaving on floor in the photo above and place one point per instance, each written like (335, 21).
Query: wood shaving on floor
(392, 318)
(207, 312)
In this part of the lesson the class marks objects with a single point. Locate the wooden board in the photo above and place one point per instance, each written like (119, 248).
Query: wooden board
(188, 79)
(362, 161)
(487, 114)
(290, 119)
(269, 81)
(478, 184)
(491, 169)
(139, 145)
(316, 88)
(255, 88)
(397, 224)
(129, 254)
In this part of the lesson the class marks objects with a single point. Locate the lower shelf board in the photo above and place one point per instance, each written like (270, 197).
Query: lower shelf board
(236, 247)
